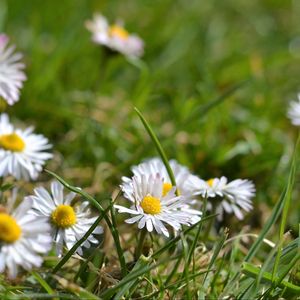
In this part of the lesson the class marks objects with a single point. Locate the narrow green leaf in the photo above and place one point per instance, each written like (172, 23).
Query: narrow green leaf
(158, 146)
(43, 283)
(252, 271)
(286, 205)
(96, 204)
(68, 255)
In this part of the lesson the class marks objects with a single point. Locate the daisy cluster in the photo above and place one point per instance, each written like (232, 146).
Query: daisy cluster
(38, 223)
(52, 220)
(157, 204)
(30, 228)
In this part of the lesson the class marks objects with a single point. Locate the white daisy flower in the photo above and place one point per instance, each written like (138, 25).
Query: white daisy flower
(69, 222)
(294, 111)
(235, 195)
(115, 37)
(153, 209)
(22, 153)
(210, 188)
(181, 173)
(23, 238)
(11, 74)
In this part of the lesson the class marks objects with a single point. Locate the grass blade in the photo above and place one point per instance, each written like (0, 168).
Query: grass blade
(286, 205)
(62, 262)
(96, 204)
(158, 146)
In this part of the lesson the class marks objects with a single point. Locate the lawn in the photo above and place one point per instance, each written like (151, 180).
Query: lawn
(214, 84)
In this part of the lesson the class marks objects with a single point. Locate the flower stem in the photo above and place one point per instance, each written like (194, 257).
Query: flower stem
(139, 248)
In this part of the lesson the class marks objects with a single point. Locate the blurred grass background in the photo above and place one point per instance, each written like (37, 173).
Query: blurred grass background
(82, 98)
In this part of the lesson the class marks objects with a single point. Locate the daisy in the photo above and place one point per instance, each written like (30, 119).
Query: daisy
(22, 153)
(294, 112)
(210, 188)
(182, 176)
(151, 208)
(11, 74)
(115, 37)
(23, 238)
(69, 222)
(234, 196)
(155, 165)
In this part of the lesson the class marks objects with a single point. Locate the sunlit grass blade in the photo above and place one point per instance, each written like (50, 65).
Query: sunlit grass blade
(158, 146)
(43, 283)
(253, 271)
(96, 204)
(286, 205)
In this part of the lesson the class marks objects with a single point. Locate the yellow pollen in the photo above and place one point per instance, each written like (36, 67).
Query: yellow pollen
(210, 182)
(151, 205)
(63, 216)
(166, 188)
(10, 231)
(12, 142)
(118, 31)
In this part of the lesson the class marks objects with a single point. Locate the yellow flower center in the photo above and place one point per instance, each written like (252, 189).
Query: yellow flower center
(12, 142)
(118, 31)
(210, 182)
(10, 231)
(166, 188)
(63, 216)
(151, 205)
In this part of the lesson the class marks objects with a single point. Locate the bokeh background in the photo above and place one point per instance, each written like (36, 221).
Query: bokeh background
(215, 83)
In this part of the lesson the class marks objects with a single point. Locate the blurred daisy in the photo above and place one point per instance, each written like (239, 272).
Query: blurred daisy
(115, 37)
(23, 238)
(11, 74)
(151, 208)
(294, 111)
(210, 188)
(69, 222)
(22, 153)
(181, 173)
(235, 195)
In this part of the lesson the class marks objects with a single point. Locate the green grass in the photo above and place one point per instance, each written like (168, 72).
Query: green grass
(214, 85)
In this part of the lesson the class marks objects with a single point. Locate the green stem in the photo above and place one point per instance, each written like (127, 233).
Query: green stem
(139, 248)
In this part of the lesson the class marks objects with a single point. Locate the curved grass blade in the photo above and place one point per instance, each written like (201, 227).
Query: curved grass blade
(96, 204)
(158, 146)
(62, 262)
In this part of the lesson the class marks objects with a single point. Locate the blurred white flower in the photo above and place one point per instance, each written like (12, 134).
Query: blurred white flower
(235, 195)
(294, 111)
(181, 173)
(69, 222)
(115, 37)
(151, 208)
(11, 74)
(22, 153)
(23, 237)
